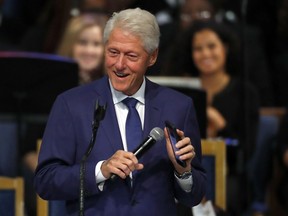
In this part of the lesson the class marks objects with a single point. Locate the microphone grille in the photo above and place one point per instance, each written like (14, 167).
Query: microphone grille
(157, 133)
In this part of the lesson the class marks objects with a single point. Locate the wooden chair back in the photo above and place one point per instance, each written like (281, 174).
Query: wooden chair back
(16, 185)
(214, 161)
(51, 207)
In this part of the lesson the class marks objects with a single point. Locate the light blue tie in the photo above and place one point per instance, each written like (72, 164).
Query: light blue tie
(133, 124)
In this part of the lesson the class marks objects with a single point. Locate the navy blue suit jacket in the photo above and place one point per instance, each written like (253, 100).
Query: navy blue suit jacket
(67, 137)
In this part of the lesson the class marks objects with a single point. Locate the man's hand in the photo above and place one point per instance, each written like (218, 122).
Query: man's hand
(186, 151)
(122, 163)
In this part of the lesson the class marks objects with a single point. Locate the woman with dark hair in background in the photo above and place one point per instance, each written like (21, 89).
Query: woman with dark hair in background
(209, 50)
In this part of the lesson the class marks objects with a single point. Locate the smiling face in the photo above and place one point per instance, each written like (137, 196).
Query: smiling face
(209, 52)
(88, 50)
(126, 61)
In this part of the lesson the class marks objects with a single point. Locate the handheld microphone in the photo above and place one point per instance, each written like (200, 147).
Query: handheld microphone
(155, 135)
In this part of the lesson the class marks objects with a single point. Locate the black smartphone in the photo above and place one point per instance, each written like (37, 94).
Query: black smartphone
(174, 138)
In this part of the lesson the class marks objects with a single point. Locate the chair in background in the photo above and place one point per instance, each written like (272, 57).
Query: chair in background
(214, 161)
(51, 207)
(11, 196)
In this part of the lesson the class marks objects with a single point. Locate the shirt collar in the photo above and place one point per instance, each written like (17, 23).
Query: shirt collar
(118, 96)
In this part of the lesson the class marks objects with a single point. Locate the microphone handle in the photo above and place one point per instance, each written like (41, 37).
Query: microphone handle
(143, 147)
(140, 150)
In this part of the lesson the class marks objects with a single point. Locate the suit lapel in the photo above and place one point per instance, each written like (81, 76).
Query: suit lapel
(109, 123)
(152, 111)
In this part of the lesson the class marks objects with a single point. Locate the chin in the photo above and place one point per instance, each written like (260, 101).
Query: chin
(118, 86)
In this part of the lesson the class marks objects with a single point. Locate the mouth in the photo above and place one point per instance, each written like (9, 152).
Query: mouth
(120, 74)
(207, 61)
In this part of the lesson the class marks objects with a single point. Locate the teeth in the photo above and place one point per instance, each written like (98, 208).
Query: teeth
(120, 74)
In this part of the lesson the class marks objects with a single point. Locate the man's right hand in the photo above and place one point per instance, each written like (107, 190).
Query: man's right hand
(121, 163)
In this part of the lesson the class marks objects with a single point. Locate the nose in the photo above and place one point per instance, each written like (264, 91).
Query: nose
(205, 52)
(120, 63)
(91, 49)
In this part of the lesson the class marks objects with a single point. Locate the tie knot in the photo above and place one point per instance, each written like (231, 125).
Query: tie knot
(130, 102)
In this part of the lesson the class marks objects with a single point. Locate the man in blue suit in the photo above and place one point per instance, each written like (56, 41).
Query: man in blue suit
(131, 40)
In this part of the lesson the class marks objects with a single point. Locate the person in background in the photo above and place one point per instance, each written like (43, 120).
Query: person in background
(131, 39)
(210, 51)
(83, 41)
(254, 57)
(189, 12)
(193, 10)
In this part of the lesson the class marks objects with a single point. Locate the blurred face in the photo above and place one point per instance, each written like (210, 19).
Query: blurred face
(89, 50)
(193, 10)
(126, 61)
(208, 52)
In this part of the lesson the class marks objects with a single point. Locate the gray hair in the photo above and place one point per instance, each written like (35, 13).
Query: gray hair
(138, 22)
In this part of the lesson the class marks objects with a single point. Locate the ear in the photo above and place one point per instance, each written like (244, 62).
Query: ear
(153, 57)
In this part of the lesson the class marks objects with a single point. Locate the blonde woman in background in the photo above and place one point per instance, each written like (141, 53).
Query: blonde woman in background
(82, 41)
